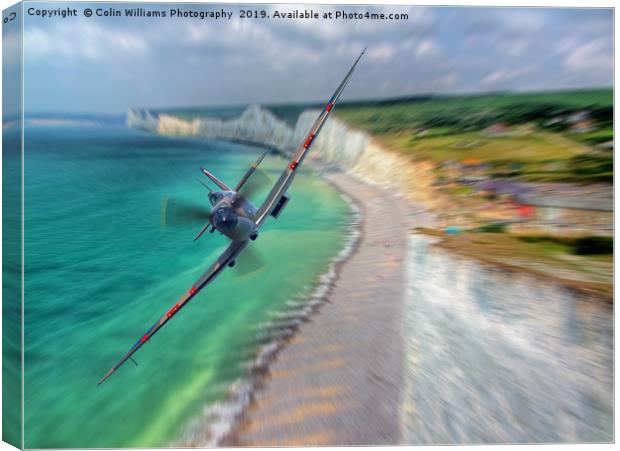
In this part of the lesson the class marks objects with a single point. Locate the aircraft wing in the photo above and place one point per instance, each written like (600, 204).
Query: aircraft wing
(289, 173)
(209, 275)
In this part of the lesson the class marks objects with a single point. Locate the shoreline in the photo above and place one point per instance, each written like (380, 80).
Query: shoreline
(300, 396)
(223, 419)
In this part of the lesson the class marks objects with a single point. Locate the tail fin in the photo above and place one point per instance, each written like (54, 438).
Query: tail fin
(250, 171)
(215, 180)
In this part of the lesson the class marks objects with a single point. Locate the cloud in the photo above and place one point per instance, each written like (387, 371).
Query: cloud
(494, 77)
(381, 52)
(193, 62)
(595, 55)
(507, 21)
(521, 20)
(448, 81)
(509, 78)
(427, 48)
(82, 41)
(512, 47)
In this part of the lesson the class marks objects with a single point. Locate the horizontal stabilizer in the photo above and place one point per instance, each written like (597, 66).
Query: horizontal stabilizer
(215, 180)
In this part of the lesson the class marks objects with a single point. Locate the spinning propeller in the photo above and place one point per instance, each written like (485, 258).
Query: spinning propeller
(183, 213)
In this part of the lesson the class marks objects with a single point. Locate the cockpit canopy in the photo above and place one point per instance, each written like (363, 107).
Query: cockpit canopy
(216, 196)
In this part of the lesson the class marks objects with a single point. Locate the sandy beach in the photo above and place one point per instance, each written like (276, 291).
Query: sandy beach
(339, 379)
(346, 377)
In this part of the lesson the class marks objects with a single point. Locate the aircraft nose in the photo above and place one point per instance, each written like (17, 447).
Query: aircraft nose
(225, 218)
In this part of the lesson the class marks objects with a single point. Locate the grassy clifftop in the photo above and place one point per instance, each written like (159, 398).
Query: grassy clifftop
(475, 112)
(547, 136)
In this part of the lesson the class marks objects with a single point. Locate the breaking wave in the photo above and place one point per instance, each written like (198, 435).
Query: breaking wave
(218, 420)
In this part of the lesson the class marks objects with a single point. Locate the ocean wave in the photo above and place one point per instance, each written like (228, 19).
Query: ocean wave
(218, 421)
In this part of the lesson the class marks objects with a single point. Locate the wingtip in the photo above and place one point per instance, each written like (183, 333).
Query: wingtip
(104, 378)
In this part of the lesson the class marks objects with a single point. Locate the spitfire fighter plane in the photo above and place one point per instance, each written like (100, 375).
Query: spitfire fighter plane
(233, 215)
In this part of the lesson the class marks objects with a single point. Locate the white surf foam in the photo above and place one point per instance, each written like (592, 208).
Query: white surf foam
(218, 421)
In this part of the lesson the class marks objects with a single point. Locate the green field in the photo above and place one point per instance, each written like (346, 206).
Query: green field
(533, 148)
(474, 112)
(538, 131)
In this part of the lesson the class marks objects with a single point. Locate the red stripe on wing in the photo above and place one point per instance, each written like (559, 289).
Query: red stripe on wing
(308, 140)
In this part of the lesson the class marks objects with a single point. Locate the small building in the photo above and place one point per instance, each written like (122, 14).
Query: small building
(569, 214)
(525, 211)
(578, 116)
(583, 126)
(497, 129)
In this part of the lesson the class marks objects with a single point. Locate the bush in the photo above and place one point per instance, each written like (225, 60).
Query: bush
(594, 245)
(492, 228)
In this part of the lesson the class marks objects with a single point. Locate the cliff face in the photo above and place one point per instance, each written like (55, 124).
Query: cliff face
(364, 158)
(173, 126)
(255, 125)
(352, 150)
(142, 120)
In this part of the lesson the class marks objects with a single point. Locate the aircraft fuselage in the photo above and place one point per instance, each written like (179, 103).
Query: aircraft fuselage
(233, 215)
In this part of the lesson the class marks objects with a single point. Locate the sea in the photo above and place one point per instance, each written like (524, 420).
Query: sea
(100, 269)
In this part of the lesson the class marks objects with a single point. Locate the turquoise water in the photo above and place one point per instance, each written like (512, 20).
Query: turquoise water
(11, 285)
(100, 269)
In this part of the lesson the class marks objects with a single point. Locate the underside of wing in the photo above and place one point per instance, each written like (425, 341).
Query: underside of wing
(231, 252)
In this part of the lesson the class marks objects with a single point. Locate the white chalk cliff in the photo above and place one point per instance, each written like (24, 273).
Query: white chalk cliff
(352, 150)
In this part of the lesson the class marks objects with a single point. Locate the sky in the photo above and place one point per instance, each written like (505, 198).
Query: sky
(109, 64)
